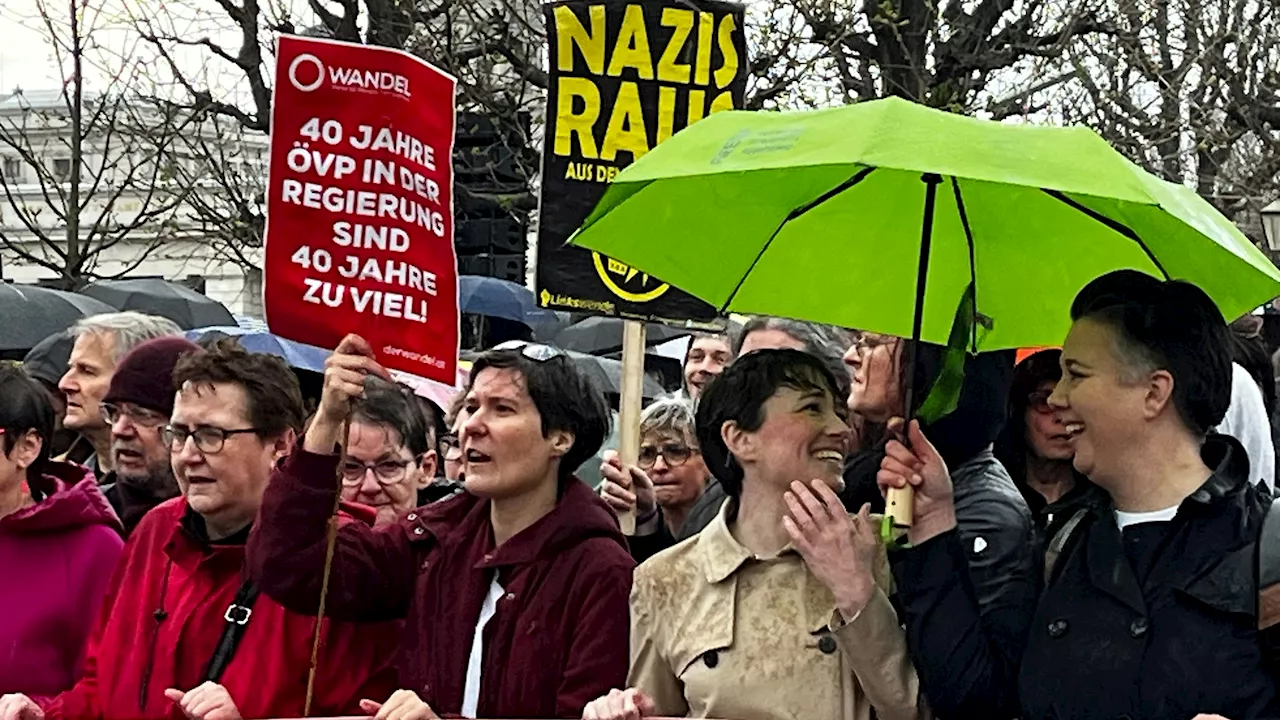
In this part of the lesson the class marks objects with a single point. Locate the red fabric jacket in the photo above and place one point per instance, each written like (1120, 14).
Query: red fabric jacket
(133, 656)
(559, 638)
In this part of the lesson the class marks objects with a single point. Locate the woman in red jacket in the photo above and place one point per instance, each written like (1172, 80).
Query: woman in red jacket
(516, 592)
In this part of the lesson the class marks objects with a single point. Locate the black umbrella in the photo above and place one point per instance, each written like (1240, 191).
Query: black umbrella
(48, 360)
(154, 296)
(603, 335)
(32, 313)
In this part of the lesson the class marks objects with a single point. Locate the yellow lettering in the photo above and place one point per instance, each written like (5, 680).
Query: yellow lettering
(729, 70)
(570, 34)
(697, 105)
(702, 62)
(626, 126)
(632, 48)
(666, 112)
(681, 23)
(569, 123)
(723, 101)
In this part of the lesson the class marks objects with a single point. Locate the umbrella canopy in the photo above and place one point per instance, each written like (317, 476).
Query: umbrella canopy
(34, 313)
(880, 216)
(603, 335)
(300, 356)
(49, 359)
(491, 297)
(154, 296)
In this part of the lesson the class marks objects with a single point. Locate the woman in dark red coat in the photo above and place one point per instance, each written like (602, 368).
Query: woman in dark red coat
(516, 592)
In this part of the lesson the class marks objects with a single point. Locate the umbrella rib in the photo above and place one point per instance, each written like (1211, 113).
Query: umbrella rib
(1117, 226)
(973, 268)
(857, 178)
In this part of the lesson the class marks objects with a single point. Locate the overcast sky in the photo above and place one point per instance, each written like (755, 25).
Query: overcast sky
(24, 56)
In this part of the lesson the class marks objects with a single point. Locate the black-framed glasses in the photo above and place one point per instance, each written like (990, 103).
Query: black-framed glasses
(674, 454)
(139, 416)
(208, 439)
(451, 444)
(388, 472)
(866, 342)
(533, 351)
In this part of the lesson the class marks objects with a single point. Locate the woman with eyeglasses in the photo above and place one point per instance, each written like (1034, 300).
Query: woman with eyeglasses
(667, 482)
(514, 594)
(385, 451)
(59, 542)
(1035, 446)
(778, 609)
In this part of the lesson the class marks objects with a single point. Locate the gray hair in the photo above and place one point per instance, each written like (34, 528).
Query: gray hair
(669, 415)
(129, 329)
(825, 342)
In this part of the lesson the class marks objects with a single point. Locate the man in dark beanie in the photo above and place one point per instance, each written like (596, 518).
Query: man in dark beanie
(138, 406)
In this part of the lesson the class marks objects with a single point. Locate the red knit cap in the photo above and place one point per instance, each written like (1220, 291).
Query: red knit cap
(144, 376)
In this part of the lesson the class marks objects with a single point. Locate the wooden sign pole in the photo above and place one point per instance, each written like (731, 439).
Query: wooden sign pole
(629, 408)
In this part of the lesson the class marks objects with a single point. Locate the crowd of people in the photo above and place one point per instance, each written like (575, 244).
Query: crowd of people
(1091, 534)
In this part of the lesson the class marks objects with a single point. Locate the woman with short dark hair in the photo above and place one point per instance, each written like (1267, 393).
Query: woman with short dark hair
(1151, 606)
(515, 592)
(59, 542)
(776, 609)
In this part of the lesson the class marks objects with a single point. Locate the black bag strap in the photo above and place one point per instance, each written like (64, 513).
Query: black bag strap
(237, 617)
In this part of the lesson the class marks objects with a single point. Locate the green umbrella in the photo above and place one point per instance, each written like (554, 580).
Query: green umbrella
(882, 215)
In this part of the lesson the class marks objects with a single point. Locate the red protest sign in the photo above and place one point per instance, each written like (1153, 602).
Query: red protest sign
(359, 231)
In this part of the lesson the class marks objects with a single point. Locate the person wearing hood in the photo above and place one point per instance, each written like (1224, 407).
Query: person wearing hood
(996, 529)
(138, 404)
(1035, 446)
(515, 593)
(183, 631)
(1151, 605)
(59, 542)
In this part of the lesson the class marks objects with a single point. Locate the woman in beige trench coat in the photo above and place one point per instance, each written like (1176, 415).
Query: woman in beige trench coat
(777, 610)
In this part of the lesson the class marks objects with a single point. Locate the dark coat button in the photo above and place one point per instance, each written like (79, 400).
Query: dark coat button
(827, 644)
(1139, 627)
(1058, 628)
(711, 658)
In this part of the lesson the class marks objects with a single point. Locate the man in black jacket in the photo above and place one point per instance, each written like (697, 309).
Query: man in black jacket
(1149, 609)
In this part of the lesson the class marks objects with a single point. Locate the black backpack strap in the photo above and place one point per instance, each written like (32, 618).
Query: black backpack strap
(237, 617)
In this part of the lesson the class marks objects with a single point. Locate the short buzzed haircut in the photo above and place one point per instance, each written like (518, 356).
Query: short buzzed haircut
(1166, 325)
(130, 329)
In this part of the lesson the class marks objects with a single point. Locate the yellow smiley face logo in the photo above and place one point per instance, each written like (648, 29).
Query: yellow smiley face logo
(607, 268)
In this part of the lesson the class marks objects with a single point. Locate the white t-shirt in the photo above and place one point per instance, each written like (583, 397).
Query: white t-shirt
(1125, 519)
(1246, 420)
(471, 692)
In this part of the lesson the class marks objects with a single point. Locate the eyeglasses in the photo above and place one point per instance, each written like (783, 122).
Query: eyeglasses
(674, 454)
(1039, 401)
(451, 445)
(533, 351)
(388, 472)
(139, 416)
(208, 439)
(867, 342)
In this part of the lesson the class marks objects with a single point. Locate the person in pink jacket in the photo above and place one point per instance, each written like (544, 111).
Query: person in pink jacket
(59, 542)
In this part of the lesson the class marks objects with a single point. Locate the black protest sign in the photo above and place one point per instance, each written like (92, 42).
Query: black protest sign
(624, 77)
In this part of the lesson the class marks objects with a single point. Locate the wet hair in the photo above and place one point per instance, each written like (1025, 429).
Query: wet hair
(825, 342)
(669, 416)
(25, 407)
(739, 395)
(565, 397)
(130, 329)
(391, 406)
(1166, 325)
(271, 388)
(1011, 446)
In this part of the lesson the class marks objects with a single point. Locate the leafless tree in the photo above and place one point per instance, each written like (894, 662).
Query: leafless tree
(86, 170)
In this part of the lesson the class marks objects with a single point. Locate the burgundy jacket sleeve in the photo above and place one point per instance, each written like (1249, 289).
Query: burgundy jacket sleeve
(373, 572)
(599, 657)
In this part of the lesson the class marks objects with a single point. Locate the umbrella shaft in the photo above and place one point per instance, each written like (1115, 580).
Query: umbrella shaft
(931, 182)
